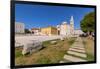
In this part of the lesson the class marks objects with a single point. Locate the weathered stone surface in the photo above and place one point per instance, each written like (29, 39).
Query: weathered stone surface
(17, 44)
(25, 49)
(62, 38)
(77, 54)
(74, 59)
(53, 42)
(77, 50)
(24, 39)
(78, 47)
(29, 48)
(62, 62)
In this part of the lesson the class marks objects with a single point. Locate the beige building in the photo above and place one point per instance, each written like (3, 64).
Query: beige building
(49, 31)
(35, 31)
(63, 28)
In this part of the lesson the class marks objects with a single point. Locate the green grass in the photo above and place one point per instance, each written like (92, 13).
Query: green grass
(90, 57)
(18, 53)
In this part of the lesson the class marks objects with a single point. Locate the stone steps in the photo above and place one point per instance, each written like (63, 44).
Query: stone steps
(64, 61)
(74, 59)
(78, 47)
(76, 52)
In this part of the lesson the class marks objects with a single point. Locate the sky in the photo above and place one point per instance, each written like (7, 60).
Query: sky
(38, 16)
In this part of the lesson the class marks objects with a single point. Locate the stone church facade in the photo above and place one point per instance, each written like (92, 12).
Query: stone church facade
(66, 29)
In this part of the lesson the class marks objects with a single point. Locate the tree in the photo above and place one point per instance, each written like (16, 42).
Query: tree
(27, 31)
(88, 23)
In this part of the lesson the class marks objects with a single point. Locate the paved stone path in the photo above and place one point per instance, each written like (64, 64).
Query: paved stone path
(76, 52)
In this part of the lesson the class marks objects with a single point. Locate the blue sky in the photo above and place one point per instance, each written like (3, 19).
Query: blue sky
(35, 16)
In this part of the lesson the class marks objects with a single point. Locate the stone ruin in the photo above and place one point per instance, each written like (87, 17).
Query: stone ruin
(31, 47)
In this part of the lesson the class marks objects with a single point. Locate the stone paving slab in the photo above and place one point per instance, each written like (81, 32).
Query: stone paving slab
(62, 62)
(74, 59)
(77, 54)
(78, 44)
(77, 50)
(78, 47)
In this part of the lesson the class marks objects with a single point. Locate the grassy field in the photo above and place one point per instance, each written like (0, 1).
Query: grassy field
(51, 53)
(89, 46)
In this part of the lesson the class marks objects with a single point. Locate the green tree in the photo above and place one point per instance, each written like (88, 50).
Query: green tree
(27, 31)
(88, 23)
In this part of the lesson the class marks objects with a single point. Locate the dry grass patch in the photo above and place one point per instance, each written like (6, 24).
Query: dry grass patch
(51, 53)
(89, 46)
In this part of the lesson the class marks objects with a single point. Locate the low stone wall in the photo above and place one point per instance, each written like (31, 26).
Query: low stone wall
(31, 47)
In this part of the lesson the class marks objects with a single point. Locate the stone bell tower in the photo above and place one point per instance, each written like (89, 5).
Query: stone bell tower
(72, 25)
(72, 22)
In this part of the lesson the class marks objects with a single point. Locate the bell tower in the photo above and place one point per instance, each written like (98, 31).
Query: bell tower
(72, 22)
(72, 25)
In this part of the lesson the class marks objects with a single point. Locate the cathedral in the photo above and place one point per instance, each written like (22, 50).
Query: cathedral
(66, 29)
